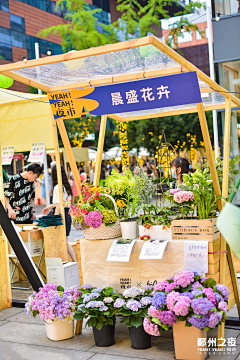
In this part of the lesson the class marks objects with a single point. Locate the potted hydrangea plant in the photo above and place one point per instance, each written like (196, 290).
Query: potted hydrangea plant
(192, 305)
(97, 306)
(55, 306)
(133, 306)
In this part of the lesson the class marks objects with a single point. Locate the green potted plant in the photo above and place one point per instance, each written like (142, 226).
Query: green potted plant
(97, 306)
(133, 306)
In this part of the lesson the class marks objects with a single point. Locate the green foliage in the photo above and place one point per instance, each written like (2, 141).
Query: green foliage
(109, 217)
(146, 186)
(81, 32)
(156, 215)
(146, 132)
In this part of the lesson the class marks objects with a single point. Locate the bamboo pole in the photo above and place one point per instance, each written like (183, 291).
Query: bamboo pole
(5, 281)
(60, 186)
(68, 149)
(100, 149)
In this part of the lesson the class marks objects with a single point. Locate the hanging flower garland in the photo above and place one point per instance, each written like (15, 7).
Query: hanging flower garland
(85, 130)
(122, 130)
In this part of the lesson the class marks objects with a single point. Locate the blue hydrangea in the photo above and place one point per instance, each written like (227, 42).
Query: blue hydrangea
(199, 323)
(159, 300)
(188, 294)
(96, 290)
(103, 308)
(197, 292)
(89, 296)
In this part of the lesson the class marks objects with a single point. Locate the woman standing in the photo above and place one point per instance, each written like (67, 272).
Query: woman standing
(180, 166)
(67, 196)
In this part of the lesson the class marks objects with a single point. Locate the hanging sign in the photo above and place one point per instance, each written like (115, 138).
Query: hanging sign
(37, 153)
(154, 93)
(7, 155)
(196, 256)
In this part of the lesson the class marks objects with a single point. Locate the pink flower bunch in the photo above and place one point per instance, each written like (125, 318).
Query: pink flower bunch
(152, 311)
(51, 303)
(171, 286)
(150, 328)
(182, 306)
(174, 191)
(210, 295)
(172, 298)
(161, 286)
(182, 196)
(184, 278)
(93, 219)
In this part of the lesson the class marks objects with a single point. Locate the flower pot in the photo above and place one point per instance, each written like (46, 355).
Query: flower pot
(186, 342)
(105, 336)
(59, 329)
(129, 229)
(139, 338)
(156, 232)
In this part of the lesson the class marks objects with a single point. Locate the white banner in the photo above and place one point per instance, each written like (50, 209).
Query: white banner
(7, 155)
(37, 153)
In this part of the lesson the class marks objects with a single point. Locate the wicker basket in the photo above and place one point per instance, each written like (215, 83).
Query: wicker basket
(103, 231)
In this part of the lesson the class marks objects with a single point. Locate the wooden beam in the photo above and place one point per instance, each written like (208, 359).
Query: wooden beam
(209, 151)
(5, 281)
(124, 45)
(68, 149)
(100, 149)
(26, 80)
(60, 186)
(202, 76)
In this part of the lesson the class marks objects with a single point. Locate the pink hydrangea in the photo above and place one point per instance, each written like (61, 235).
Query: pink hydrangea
(184, 278)
(161, 286)
(150, 328)
(93, 219)
(172, 297)
(223, 306)
(182, 196)
(210, 295)
(174, 191)
(182, 306)
(171, 287)
(154, 312)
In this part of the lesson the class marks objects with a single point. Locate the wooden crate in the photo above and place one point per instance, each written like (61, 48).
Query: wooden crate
(195, 229)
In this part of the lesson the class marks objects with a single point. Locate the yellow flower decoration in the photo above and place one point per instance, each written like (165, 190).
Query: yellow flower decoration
(120, 203)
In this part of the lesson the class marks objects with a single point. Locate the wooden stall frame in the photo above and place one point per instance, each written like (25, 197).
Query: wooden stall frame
(183, 66)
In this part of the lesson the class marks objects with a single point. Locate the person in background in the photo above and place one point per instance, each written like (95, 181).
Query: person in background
(67, 197)
(43, 187)
(19, 193)
(91, 174)
(180, 166)
(81, 169)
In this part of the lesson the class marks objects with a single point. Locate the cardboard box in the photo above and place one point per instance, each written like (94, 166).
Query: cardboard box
(32, 238)
(61, 273)
(16, 273)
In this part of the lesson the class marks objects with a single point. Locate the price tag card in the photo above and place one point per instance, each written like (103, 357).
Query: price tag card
(37, 153)
(120, 252)
(196, 256)
(153, 249)
(7, 155)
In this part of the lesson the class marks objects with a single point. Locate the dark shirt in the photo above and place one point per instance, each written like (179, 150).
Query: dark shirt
(19, 192)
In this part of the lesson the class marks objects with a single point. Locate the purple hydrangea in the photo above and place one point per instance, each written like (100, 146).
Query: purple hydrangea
(147, 288)
(188, 294)
(86, 286)
(108, 300)
(201, 306)
(150, 328)
(159, 300)
(97, 290)
(167, 317)
(133, 305)
(218, 297)
(197, 292)
(197, 285)
(119, 303)
(146, 300)
(132, 292)
(199, 323)
(94, 304)
(224, 290)
(223, 306)
(214, 319)
(184, 278)
(103, 308)
(89, 296)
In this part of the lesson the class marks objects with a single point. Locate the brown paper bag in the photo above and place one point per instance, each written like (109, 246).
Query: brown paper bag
(120, 275)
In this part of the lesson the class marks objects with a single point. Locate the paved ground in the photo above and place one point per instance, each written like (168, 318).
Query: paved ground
(24, 338)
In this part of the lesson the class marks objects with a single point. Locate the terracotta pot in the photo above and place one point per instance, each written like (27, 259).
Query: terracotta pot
(59, 329)
(185, 342)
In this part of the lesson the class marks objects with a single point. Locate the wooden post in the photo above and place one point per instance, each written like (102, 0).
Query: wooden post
(68, 149)
(5, 282)
(100, 149)
(60, 186)
(14, 167)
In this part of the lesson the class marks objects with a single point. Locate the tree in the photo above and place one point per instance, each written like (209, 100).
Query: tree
(146, 132)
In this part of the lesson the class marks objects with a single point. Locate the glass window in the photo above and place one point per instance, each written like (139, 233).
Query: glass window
(198, 36)
(5, 36)
(18, 39)
(226, 7)
(4, 6)
(5, 44)
(206, 32)
(17, 23)
(6, 52)
(185, 37)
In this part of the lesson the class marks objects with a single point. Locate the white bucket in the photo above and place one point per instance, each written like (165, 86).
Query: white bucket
(156, 232)
(129, 229)
(59, 329)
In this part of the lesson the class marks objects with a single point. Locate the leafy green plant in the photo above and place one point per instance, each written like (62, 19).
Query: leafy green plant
(145, 185)
(156, 215)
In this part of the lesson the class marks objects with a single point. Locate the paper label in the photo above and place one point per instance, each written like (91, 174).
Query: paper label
(120, 252)
(37, 153)
(153, 249)
(196, 256)
(7, 155)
